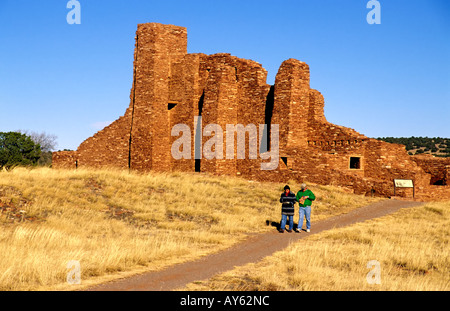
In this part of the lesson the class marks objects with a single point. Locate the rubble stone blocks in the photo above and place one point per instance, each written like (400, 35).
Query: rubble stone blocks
(172, 87)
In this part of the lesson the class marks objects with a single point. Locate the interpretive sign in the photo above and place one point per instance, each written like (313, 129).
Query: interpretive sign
(404, 183)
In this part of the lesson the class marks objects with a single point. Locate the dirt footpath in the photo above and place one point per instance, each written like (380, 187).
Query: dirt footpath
(251, 250)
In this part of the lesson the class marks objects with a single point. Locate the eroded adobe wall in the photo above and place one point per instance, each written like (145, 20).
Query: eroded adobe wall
(438, 168)
(185, 92)
(291, 104)
(108, 147)
(219, 107)
(223, 90)
(377, 162)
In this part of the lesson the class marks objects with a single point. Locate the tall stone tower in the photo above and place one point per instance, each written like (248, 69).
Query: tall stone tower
(157, 48)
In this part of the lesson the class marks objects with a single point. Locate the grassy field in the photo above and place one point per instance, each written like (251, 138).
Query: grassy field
(411, 250)
(116, 223)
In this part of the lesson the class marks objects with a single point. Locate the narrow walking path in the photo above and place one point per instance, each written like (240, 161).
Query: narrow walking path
(251, 250)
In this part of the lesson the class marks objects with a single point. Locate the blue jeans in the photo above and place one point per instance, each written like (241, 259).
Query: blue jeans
(283, 222)
(304, 211)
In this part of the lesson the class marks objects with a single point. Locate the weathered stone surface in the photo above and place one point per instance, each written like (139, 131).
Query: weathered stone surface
(173, 87)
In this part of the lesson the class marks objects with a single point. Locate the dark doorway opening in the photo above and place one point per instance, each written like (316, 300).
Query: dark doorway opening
(198, 136)
(200, 104)
(265, 139)
(438, 182)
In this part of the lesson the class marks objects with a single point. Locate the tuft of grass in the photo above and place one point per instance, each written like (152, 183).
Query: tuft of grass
(116, 223)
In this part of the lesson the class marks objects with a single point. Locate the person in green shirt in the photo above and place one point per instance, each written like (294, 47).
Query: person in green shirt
(304, 198)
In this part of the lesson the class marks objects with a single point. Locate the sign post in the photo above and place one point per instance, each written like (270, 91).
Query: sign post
(404, 183)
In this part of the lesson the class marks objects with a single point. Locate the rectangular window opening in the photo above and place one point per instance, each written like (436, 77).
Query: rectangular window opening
(355, 163)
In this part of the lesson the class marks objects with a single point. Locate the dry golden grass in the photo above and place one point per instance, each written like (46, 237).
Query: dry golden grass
(411, 246)
(116, 223)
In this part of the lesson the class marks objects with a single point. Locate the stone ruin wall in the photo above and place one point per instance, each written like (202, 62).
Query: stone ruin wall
(439, 169)
(173, 87)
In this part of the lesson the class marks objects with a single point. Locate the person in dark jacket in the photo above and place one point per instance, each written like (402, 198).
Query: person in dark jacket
(287, 208)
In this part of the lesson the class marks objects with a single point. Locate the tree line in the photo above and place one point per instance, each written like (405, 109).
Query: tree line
(23, 148)
(416, 145)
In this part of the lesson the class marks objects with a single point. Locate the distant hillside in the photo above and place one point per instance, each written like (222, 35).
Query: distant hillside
(437, 146)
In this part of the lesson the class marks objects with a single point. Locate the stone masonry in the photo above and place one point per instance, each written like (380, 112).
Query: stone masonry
(173, 87)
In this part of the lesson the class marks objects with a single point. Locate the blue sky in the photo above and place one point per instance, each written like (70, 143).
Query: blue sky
(388, 79)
